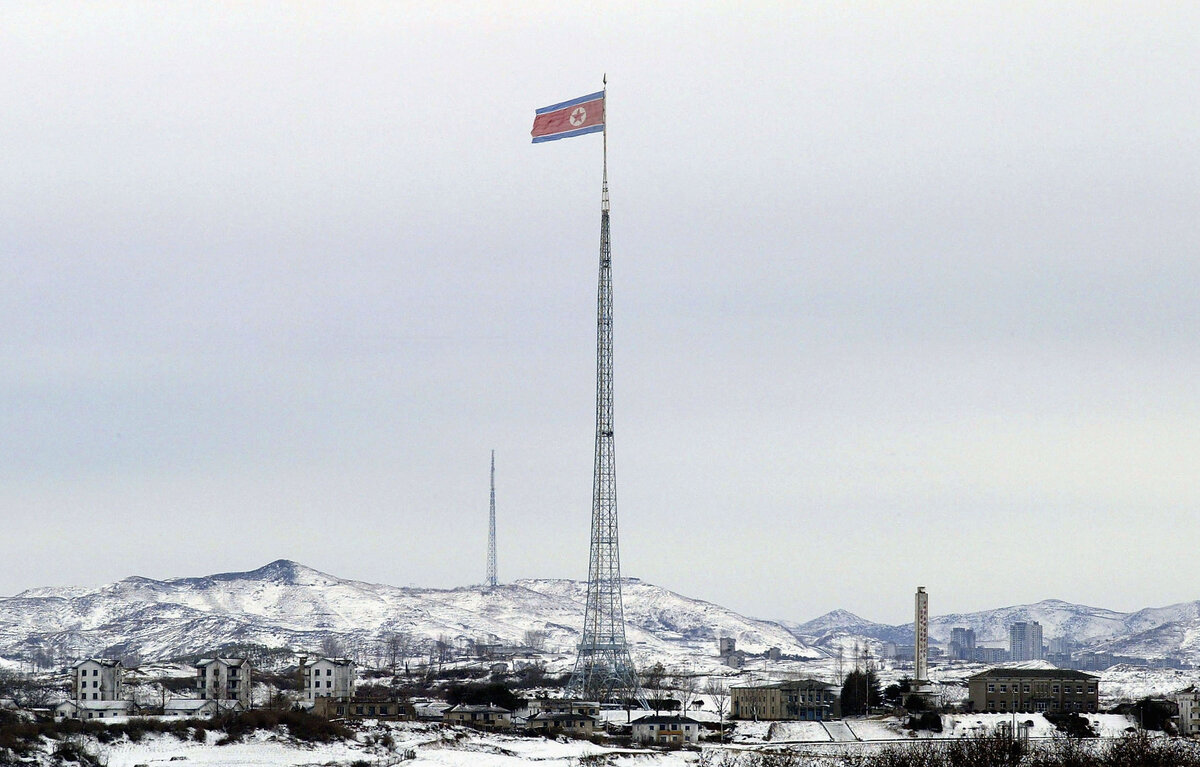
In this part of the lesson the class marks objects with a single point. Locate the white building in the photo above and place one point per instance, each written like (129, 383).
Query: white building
(224, 679)
(1189, 711)
(96, 679)
(328, 678)
(197, 708)
(93, 709)
(665, 729)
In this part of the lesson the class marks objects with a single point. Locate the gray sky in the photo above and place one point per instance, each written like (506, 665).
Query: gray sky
(903, 296)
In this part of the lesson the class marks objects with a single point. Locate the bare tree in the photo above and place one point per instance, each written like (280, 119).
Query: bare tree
(654, 679)
(397, 647)
(686, 687)
(718, 691)
(332, 647)
(535, 640)
(442, 647)
(841, 665)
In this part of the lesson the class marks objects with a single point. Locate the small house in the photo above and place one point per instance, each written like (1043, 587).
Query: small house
(666, 729)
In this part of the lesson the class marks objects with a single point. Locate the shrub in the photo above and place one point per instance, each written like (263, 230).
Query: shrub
(929, 720)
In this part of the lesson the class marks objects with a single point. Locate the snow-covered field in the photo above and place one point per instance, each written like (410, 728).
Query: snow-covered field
(450, 747)
(458, 747)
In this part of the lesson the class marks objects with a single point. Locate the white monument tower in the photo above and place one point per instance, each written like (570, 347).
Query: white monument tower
(921, 643)
(920, 684)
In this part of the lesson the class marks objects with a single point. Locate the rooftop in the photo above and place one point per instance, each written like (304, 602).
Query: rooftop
(1034, 673)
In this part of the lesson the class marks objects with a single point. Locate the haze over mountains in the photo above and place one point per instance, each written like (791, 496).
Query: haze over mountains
(285, 604)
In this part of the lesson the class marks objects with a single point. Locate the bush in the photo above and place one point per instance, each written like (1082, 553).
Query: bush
(1071, 724)
(493, 693)
(927, 721)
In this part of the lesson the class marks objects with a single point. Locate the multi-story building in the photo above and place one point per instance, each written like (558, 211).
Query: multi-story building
(564, 706)
(665, 729)
(490, 716)
(806, 699)
(579, 725)
(328, 678)
(1025, 641)
(359, 708)
(1189, 711)
(224, 679)
(97, 679)
(1033, 690)
(962, 643)
(991, 655)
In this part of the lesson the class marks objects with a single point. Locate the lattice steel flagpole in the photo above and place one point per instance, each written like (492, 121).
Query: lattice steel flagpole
(604, 669)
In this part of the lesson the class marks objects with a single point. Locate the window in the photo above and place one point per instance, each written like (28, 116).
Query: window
(1003, 688)
(329, 684)
(1054, 688)
(95, 683)
(1026, 688)
(95, 696)
(328, 672)
(991, 688)
(1079, 690)
(95, 672)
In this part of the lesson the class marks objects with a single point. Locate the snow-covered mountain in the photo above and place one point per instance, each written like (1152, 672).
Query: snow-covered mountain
(836, 624)
(285, 604)
(1151, 633)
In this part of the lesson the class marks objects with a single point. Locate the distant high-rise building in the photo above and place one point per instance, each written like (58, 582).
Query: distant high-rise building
(962, 643)
(1025, 641)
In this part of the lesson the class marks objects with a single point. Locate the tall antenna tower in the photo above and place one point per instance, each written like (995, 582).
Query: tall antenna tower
(604, 669)
(491, 573)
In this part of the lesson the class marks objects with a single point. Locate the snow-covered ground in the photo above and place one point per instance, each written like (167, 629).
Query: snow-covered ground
(458, 747)
(449, 747)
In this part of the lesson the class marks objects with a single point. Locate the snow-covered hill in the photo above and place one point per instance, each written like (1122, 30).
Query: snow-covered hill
(285, 604)
(1151, 633)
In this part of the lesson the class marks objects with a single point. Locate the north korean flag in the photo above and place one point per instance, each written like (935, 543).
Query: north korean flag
(570, 118)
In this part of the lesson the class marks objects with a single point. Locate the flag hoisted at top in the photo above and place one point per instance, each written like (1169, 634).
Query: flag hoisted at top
(604, 670)
(570, 118)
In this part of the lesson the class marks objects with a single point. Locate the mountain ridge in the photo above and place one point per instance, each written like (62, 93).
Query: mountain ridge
(287, 604)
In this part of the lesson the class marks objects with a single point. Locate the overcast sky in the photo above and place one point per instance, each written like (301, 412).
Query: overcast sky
(906, 294)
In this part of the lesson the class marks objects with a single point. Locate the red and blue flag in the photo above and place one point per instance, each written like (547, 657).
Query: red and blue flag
(570, 118)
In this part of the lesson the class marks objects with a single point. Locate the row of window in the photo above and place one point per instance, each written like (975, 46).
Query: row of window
(317, 672)
(83, 672)
(1053, 688)
(370, 710)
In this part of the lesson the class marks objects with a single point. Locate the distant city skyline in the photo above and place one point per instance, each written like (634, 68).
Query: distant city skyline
(903, 296)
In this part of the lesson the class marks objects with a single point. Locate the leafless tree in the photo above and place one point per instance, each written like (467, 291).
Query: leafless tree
(535, 640)
(397, 647)
(654, 679)
(27, 691)
(332, 647)
(442, 647)
(718, 691)
(686, 688)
